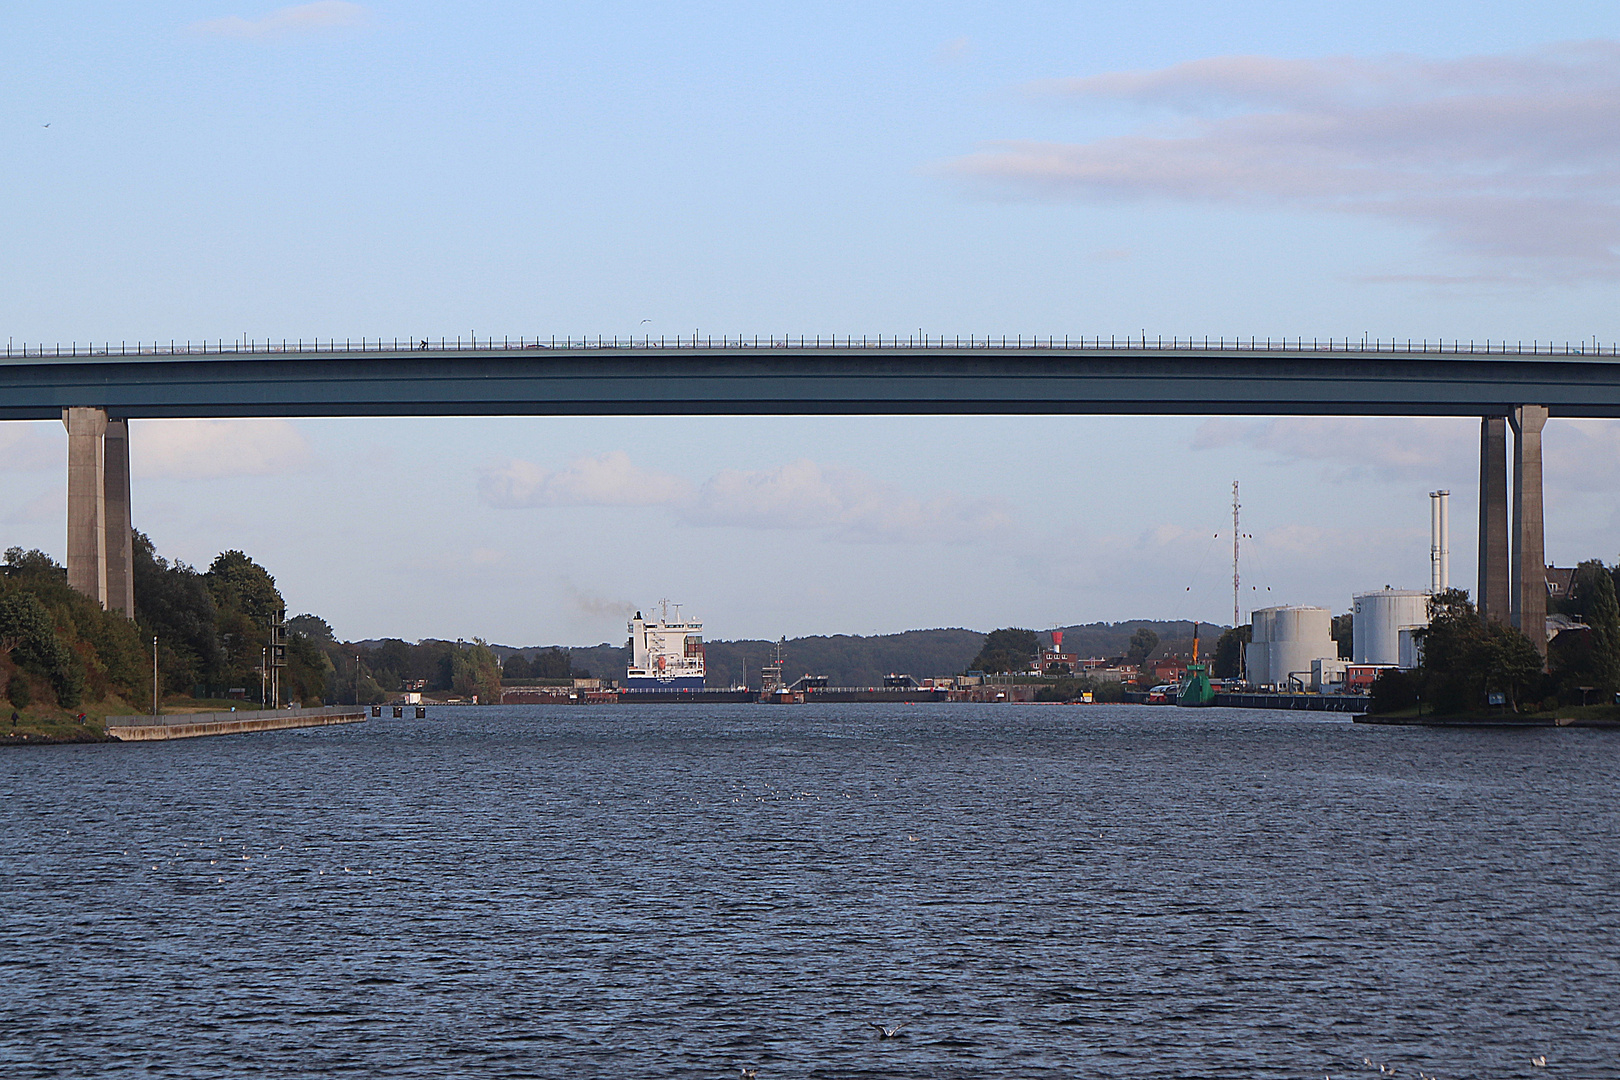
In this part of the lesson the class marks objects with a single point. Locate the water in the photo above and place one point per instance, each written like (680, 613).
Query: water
(686, 891)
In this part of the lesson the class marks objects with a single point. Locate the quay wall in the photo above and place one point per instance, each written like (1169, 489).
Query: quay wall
(195, 725)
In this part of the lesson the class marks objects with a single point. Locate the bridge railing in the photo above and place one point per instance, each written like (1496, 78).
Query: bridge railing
(841, 343)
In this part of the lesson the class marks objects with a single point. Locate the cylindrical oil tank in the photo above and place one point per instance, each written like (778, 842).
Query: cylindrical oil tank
(1293, 637)
(1379, 619)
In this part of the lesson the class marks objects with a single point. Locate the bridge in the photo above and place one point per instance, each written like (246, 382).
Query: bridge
(97, 389)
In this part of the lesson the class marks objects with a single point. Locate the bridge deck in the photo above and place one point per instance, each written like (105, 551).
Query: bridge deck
(738, 377)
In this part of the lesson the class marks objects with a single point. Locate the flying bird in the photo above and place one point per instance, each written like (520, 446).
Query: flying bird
(886, 1032)
(1540, 1061)
(748, 1074)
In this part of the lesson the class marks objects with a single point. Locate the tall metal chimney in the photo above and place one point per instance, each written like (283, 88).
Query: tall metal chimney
(1439, 541)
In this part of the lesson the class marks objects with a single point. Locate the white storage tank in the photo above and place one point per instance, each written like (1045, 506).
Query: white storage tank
(1286, 642)
(1379, 619)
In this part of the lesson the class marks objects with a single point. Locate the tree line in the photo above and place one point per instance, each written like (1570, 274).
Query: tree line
(1471, 665)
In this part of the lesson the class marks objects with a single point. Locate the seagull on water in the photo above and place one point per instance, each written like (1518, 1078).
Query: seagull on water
(748, 1074)
(885, 1032)
(1540, 1061)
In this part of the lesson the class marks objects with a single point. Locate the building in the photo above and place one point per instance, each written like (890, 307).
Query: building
(1381, 632)
(1285, 643)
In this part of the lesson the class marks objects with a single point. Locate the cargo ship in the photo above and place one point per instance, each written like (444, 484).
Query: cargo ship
(666, 662)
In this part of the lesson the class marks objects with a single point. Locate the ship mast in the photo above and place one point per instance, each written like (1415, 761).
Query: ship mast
(1235, 538)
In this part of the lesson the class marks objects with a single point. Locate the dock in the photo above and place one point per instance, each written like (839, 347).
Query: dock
(196, 725)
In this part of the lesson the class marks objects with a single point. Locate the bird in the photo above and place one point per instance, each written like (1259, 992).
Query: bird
(1540, 1061)
(47, 125)
(886, 1032)
(748, 1074)
(646, 320)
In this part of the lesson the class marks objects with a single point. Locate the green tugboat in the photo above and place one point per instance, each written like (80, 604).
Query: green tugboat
(1196, 691)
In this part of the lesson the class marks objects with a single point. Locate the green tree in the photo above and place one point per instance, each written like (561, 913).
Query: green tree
(173, 603)
(1143, 642)
(552, 663)
(1008, 649)
(29, 634)
(313, 627)
(1466, 658)
(477, 671)
(1344, 634)
(1228, 660)
(1592, 657)
(238, 582)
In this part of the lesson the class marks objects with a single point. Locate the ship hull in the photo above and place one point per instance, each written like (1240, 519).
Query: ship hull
(684, 683)
(698, 696)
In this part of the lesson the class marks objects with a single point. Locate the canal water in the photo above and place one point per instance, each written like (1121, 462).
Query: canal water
(1025, 891)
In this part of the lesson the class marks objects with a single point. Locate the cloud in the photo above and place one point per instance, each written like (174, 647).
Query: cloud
(1385, 447)
(1512, 161)
(957, 51)
(847, 503)
(45, 506)
(609, 480)
(299, 20)
(26, 447)
(212, 449)
(1582, 455)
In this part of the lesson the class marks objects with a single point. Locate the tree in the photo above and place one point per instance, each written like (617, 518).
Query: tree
(516, 666)
(1589, 658)
(39, 648)
(1466, 658)
(313, 627)
(476, 671)
(238, 582)
(1143, 642)
(552, 663)
(1228, 662)
(1009, 649)
(1344, 635)
(173, 603)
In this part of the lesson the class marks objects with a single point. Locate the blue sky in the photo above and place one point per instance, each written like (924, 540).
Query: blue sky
(219, 169)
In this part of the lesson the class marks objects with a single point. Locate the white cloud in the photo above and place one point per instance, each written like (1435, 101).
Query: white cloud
(211, 449)
(847, 503)
(45, 506)
(26, 447)
(301, 19)
(1512, 161)
(1386, 447)
(1582, 455)
(611, 479)
(844, 503)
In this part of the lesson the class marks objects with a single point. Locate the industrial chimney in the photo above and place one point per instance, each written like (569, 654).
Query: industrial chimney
(1439, 541)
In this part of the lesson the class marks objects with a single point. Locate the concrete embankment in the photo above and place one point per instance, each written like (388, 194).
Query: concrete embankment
(194, 725)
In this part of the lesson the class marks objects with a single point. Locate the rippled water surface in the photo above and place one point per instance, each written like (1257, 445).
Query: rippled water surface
(646, 891)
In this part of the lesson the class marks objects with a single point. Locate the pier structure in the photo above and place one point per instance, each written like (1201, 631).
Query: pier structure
(97, 390)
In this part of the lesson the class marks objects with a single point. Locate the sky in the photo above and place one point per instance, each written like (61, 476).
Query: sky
(205, 170)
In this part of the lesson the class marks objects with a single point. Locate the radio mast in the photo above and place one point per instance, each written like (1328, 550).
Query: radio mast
(1235, 537)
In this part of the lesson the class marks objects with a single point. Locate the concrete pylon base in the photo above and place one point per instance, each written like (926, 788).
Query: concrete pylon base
(100, 553)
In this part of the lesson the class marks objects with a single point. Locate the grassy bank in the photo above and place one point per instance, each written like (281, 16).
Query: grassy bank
(47, 724)
(1568, 715)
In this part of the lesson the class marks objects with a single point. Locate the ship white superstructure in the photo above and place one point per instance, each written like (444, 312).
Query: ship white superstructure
(665, 655)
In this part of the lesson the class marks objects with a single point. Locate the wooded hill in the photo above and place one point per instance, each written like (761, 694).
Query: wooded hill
(853, 660)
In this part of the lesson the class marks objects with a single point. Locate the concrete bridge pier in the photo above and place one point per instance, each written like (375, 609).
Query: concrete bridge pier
(1512, 548)
(1493, 520)
(1529, 589)
(100, 552)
